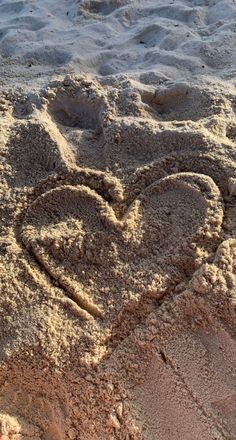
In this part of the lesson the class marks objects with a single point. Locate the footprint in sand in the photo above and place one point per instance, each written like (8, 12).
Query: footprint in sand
(154, 35)
(13, 8)
(29, 406)
(103, 262)
(78, 125)
(179, 362)
(201, 363)
(47, 56)
(189, 380)
(176, 103)
(28, 23)
(190, 384)
(56, 137)
(103, 8)
(78, 110)
(77, 104)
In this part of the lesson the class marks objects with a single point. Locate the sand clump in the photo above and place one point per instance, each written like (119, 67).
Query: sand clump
(118, 230)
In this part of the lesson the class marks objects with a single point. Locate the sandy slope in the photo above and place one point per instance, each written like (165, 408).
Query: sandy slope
(118, 230)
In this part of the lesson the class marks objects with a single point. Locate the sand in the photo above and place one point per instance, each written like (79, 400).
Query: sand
(118, 220)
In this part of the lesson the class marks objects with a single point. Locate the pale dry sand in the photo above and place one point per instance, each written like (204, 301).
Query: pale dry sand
(118, 220)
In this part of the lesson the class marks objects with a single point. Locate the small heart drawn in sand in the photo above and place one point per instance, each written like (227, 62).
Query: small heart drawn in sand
(103, 262)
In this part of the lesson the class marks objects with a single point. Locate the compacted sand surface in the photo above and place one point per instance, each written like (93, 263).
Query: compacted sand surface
(118, 220)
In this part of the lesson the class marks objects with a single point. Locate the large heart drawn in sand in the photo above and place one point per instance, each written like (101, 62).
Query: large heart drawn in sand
(103, 262)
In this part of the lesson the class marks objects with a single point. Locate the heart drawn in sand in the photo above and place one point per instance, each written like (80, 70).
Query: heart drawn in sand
(103, 262)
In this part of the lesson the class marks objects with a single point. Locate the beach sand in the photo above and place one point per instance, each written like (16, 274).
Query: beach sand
(118, 220)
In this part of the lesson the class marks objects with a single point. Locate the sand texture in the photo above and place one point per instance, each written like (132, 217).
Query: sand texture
(118, 220)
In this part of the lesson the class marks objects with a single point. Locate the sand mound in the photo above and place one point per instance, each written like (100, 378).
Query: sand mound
(51, 157)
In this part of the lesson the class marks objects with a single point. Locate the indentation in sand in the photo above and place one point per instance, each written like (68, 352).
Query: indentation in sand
(225, 408)
(104, 7)
(193, 39)
(76, 237)
(30, 408)
(13, 7)
(207, 163)
(176, 103)
(231, 131)
(190, 373)
(166, 410)
(47, 56)
(152, 36)
(77, 104)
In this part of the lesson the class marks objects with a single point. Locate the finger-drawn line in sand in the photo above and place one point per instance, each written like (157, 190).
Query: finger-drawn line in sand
(77, 238)
(64, 171)
(152, 156)
(106, 185)
(213, 165)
